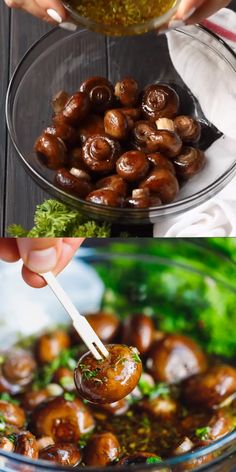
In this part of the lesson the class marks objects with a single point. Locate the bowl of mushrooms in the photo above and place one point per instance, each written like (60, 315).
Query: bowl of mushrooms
(126, 138)
(173, 406)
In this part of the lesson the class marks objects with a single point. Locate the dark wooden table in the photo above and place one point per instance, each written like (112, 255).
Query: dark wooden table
(18, 192)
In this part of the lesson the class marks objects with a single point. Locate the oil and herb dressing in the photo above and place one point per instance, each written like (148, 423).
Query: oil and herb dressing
(121, 12)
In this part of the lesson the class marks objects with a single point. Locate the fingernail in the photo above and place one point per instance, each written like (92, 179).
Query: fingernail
(189, 14)
(43, 260)
(68, 26)
(54, 15)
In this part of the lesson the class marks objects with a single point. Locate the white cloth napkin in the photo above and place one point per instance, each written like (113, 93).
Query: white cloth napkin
(217, 217)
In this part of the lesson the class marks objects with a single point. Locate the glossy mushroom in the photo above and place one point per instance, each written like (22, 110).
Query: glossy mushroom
(18, 369)
(101, 450)
(166, 142)
(132, 166)
(105, 196)
(105, 324)
(26, 445)
(190, 162)
(159, 161)
(174, 358)
(6, 444)
(159, 101)
(51, 150)
(100, 92)
(61, 453)
(210, 388)
(111, 379)
(76, 108)
(161, 407)
(100, 153)
(138, 332)
(115, 409)
(76, 182)
(187, 128)
(94, 124)
(162, 183)
(141, 135)
(13, 415)
(141, 198)
(62, 420)
(33, 398)
(113, 182)
(127, 91)
(117, 124)
(63, 130)
(50, 345)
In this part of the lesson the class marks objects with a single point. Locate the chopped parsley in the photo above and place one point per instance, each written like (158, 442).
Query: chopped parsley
(2, 423)
(7, 398)
(88, 373)
(203, 433)
(153, 460)
(12, 438)
(70, 397)
(153, 391)
(45, 375)
(136, 357)
(67, 383)
(83, 440)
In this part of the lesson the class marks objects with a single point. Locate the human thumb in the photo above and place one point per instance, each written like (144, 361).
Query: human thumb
(40, 254)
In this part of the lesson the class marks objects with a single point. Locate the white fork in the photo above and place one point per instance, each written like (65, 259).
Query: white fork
(82, 326)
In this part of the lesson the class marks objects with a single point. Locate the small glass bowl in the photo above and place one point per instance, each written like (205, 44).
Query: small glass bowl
(119, 30)
(62, 60)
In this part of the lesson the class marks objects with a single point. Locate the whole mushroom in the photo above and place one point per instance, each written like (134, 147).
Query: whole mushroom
(160, 100)
(100, 92)
(100, 153)
(51, 150)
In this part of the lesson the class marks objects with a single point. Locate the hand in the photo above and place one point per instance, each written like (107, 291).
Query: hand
(194, 11)
(39, 255)
(51, 11)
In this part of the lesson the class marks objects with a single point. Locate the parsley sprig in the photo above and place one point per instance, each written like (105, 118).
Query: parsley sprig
(160, 389)
(45, 375)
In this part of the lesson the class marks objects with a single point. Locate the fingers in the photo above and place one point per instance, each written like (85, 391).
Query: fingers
(40, 254)
(194, 11)
(9, 250)
(41, 9)
(67, 250)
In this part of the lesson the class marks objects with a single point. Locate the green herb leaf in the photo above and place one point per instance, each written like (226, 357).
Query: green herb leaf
(83, 440)
(55, 219)
(153, 460)
(136, 357)
(2, 423)
(88, 373)
(45, 374)
(70, 397)
(67, 383)
(7, 398)
(203, 433)
(158, 390)
(12, 437)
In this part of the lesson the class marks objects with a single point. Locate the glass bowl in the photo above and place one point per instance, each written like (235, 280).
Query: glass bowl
(120, 30)
(187, 278)
(201, 67)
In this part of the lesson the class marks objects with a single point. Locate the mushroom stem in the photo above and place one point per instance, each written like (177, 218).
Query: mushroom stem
(165, 123)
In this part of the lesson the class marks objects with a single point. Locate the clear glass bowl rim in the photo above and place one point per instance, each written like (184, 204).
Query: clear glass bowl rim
(229, 439)
(133, 216)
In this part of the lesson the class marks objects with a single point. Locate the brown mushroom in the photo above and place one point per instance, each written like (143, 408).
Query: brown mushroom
(59, 100)
(138, 331)
(184, 445)
(115, 409)
(76, 185)
(132, 166)
(117, 124)
(63, 130)
(162, 407)
(133, 113)
(141, 135)
(12, 414)
(101, 450)
(219, 425)
(75, 159)
(62, 420)
(105, 196)
(174, 358)
(113, 182)
(166, 142)
(6, 444)
(33, 398)
(159, 161)
(187, 128)
(163, 184)
(127, 91)
(111, 379)
(159, 100)
(51, 150)
(44, 442)
(26, 445)
(50, 345)
(190, 162)
(76, 108)
(209, 389)
(64, 377)
(60, 453)
(100, 92)
(94, 124)
(105, 325)
(140, 198)
(100, 153)
(18, 369)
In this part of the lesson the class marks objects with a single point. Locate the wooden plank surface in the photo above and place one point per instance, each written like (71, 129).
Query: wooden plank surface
(4, 67)
(19, 194)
